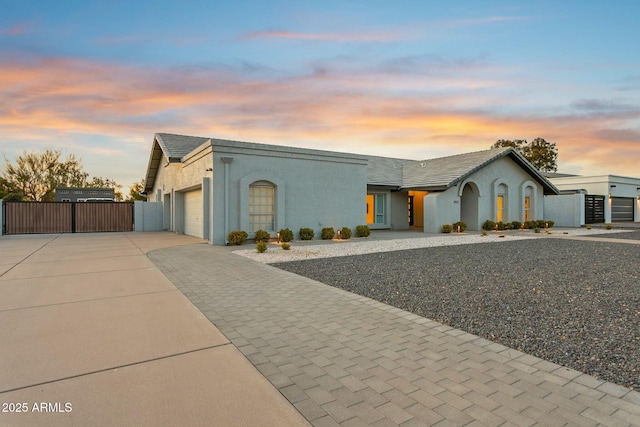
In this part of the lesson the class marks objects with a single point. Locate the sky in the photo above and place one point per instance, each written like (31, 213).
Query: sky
(409, 79)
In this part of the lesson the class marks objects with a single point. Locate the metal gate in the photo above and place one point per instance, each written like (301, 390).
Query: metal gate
(593, 209)
(61, 217)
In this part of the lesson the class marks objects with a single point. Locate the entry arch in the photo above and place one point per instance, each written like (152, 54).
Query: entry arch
(469, 200)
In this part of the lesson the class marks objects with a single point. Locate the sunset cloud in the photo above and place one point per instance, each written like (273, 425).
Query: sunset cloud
(378, 110)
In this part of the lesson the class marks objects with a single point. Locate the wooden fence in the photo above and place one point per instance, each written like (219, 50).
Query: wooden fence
(57, 217)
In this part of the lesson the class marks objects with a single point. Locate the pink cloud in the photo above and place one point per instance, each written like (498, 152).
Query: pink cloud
(367, 111)
(14, 31)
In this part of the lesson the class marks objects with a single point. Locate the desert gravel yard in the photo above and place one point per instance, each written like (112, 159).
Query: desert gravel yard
(575, 303)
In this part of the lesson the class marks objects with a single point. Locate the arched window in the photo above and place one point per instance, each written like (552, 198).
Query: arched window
(502, 202)
(261, 206)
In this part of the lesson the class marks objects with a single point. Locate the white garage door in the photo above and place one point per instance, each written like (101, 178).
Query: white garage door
(193, 213)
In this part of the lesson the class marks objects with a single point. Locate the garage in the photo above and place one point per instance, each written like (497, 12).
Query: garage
(193, 213)
(621, 209)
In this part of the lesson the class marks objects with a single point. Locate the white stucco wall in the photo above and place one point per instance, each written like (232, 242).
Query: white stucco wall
(565, 210)
(445, 207)
(147, 216)
(314, 189)
(174, 179)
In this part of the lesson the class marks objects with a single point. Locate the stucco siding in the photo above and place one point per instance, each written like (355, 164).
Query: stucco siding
(310, 191)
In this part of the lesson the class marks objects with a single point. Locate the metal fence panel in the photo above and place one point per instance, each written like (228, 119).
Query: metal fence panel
(37, 217)
(96, 217)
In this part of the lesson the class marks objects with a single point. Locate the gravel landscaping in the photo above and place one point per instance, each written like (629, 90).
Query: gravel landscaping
(621, 234)
(575, 303)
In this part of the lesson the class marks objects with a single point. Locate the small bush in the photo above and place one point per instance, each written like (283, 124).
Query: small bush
(345, 233)
(261, 247)
(609, 226)
(262, 236)
(459, 226)
(237, 237)
(501, 226)
(589, 227)
(285, 246)
(536, 229)
(363, 231)
(488, 225)
(306, 234)
(549, 223)
(285, 235)
(529, 225)
(484, 233)
(516, 224)
(327, 233)
(446, 228)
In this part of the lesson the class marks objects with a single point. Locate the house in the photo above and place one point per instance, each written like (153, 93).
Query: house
(75, 194)
(598, 199)
(208, 187)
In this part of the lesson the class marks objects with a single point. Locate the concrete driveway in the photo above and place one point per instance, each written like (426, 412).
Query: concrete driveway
(93, 334)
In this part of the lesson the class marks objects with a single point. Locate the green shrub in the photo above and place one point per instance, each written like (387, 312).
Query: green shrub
(306, 234)
(459, 226)
(327, 233)
(285, 246)
(237, 237)
(508, 226)
(484, 233)
(345, 233)
(540, 223)
(446, 228)
(549, 224)
(516, 224)
(488, 225)
(501, 225)
(285, 235)
(589, 227)
(536, 229)
(529, 224)
(262, 236)
(609, 226)
(13, 197)
(261, 247)
(363, 231)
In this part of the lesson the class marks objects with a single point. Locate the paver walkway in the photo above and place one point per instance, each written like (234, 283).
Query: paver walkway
(343, 359)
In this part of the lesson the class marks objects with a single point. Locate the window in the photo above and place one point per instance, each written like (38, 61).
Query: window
(261, 206)
(375, 209)
(379, 208)
(500, 208)
(527, 208)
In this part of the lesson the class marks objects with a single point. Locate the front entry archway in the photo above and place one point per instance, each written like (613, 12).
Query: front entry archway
(469, 206)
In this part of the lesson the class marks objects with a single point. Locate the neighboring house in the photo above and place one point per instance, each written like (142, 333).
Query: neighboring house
(601, 199)
(73, 194)
(209, 187)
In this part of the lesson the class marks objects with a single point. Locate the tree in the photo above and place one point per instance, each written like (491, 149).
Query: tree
(36, 175)
(8, 192)
(135, 192)
(540, 153)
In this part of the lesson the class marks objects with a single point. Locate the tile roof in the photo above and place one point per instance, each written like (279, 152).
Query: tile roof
(430, 175)
(175, 147)
(385, 171)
